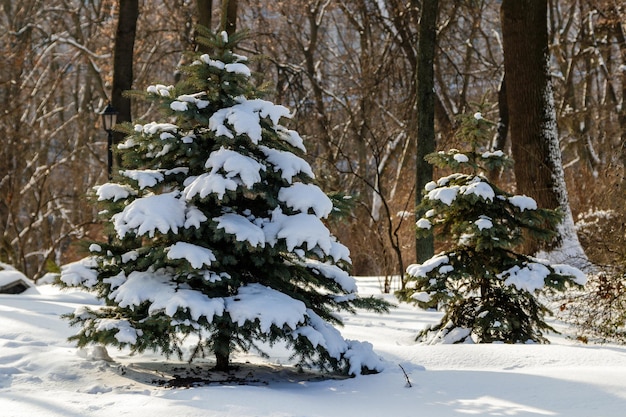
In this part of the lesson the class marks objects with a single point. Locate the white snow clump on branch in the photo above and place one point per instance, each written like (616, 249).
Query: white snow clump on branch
(146, 215)
(112, 191)
(242, 228)
(245, 118)
(302, 197)
(270, 307)
(421, 270)
(197, 256)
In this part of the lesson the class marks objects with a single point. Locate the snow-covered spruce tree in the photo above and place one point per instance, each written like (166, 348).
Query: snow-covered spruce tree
(216, 232)
(487, 290)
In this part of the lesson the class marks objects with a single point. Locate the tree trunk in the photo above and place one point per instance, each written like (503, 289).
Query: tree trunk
(424, 246)
(222, 346)
(502, 131)
(532, 117)
(620, 37)
(123, 62)
(229, 16)
(205, 11)
(222, 361)
(499, 140)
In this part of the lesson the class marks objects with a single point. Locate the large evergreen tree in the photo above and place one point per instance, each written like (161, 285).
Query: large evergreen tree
(487, 289)
(216, 231)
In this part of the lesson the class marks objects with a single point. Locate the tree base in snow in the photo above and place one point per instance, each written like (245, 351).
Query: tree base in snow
(183, 375)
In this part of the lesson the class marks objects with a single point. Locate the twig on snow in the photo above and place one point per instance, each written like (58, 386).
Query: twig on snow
(408, 381)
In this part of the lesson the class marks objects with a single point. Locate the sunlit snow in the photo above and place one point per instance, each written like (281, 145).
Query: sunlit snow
(300, 230)
(197, 256)
(461, 158)
(523, 202)
(422, 270)
(341, 277)
(144, 177)
(155, 127)
(112, 191)
(423, 223)
(236, 166)
(444, 194)
(44, 374)
(206, 184)
(160, 89)
(238, 68)
(302, 197)
(146, 215)
(80, 273)
(158, 288)
(268, 306)
(243, 230)
(483, 222)
(480, 188)
(287, 163)
(244, 118)
(125, 333)
(530, 277)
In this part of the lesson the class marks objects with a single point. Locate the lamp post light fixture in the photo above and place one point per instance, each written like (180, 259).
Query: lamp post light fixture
(109, 118)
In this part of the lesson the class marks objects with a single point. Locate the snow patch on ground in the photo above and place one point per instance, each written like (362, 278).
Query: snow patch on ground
(42, 374)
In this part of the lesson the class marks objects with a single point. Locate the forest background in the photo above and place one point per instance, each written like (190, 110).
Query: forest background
(347, 68)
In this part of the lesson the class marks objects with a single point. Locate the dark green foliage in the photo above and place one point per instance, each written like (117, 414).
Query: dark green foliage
(487, 289)
(211, 235)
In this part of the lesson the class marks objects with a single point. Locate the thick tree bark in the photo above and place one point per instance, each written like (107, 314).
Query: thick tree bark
(532, 117)
(424, 247)
(525, 38)
(123, 61)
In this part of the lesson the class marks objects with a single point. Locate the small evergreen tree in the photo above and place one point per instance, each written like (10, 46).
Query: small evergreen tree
(487, 289)
(216, 232)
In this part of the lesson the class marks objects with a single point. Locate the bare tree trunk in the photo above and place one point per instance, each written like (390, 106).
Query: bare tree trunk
(205, 11)
(123, 62)
(229, 16)
(534, 137)
(525, 62)
(502, 131)
(222, 346)
(424, 247)
(503, 118)
(309, 47)
(620, 36)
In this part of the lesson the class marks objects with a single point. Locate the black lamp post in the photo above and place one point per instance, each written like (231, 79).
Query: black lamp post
(109, 118)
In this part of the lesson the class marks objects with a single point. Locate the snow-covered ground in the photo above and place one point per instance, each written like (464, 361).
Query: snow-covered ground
(41, 374)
